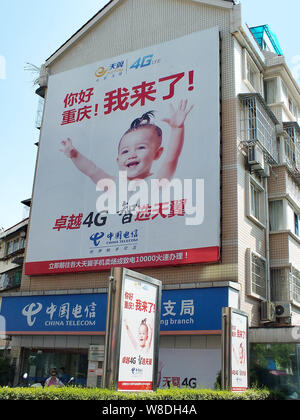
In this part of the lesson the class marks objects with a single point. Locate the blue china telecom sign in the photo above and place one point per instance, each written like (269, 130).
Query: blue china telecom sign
(190, 310)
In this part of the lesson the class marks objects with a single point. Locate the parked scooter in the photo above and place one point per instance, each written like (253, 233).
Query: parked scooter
(25, 382)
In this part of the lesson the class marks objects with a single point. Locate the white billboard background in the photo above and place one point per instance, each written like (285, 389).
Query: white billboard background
(191, 368)
(61, 189)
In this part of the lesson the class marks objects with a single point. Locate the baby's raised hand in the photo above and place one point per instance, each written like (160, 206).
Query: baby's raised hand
(178, 115)
(67, 147)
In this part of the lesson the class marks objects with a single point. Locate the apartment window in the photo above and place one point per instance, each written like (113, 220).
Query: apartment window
(285, 92)
(255, 202)
(14, 245)
(285, 285)
(276, 215)
(10, 246)
(295, 285)
(10, 279)
(251, 74)
(258, 275)
(289, 101)
(292, 145)
(279, 284)
(258, 124)
(293, 107)
(270, 87)
(256, 208)
(296, 224)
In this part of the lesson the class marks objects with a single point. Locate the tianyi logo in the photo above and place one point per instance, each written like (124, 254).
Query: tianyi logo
(110, 70)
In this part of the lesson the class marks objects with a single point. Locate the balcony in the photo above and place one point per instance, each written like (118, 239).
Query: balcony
(290, 151)
(285, 285)
(258, 125)
(10, 279)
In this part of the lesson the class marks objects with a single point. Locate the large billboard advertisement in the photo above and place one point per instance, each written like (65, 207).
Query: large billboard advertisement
(128, 168)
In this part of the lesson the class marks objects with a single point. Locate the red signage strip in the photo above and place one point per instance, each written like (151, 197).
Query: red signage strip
(154, 259)
(135, 386)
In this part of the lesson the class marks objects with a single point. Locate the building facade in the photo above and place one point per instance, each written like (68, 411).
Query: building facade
(258, 266)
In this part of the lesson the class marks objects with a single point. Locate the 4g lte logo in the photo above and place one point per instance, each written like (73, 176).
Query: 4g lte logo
(145, 61)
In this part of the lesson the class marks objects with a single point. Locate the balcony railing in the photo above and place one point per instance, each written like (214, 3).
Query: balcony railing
(258, 125)
(285, 285)
(292, 147)
(10, 280)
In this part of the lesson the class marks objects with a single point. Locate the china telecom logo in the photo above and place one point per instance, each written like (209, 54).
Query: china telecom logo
(30, 310)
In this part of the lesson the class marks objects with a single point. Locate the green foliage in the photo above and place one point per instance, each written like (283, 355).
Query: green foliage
(72, 393)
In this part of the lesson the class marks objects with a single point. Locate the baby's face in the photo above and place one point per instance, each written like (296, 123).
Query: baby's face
(143, 335)
(137, 151)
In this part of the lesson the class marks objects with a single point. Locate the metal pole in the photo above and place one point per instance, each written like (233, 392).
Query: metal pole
(112, 329)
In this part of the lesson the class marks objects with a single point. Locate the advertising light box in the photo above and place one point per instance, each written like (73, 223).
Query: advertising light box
(128, 171)
(139, 332)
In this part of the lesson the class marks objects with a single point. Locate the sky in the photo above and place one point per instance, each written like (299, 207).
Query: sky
(30, 31)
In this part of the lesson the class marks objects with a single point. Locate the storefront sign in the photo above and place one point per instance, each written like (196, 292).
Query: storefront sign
(110, 131)
(194, 311)
(59, 314)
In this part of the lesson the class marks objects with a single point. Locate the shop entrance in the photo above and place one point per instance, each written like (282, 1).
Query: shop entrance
(69, 363)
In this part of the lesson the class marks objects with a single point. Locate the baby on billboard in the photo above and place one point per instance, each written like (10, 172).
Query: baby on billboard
(139, 147)
(141, 341)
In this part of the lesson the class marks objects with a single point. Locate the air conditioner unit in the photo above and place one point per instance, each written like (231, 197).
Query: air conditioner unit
(267, 311)
(264, 173)
(256, 158)
(282, 309)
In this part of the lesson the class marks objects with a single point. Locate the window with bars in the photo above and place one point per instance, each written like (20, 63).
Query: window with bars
(285, 285)
(10, 279)
(258, 124)
(258, 276)
(257, 286)
(295, 285)
(292, 145)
